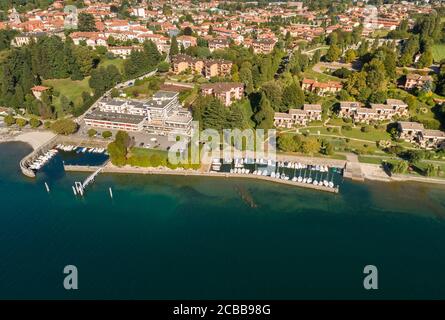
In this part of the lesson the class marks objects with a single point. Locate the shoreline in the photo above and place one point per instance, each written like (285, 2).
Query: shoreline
(371, 172)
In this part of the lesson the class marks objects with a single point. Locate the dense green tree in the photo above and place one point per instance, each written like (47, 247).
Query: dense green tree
(273, 92)
(214, 115)
(174, 48)
(333, 53)
(86, 22)
(293, 97)
(64, 126)
(265, 114)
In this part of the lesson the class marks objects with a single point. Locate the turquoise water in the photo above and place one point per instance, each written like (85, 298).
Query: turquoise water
(192, 238)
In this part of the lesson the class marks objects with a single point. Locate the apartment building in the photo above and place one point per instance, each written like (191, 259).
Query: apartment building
(161, 114)
(218, 43)
(310, 112)
(226, 92)
(415, 132)
(321, 88)
(376, 112)
(263, 46)
(207, 67)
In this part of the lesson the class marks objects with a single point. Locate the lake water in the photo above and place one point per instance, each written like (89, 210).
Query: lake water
(200, 238)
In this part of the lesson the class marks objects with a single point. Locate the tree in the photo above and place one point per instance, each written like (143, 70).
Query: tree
(310, 146)
(273, 92)
(86, 22)
(163, 66)
(265, 114)
(350, 55)
(118, 149)
(426, 59)
(64, 126)
(288, 143)
(174, 48)
(293, 97)
(91, 133)
(333, 53)
(107, 134)
(214, 115)
(246, 77)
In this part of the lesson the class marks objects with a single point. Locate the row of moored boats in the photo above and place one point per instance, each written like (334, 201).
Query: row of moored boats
(39, 162)
(273, 169)
(70, 148)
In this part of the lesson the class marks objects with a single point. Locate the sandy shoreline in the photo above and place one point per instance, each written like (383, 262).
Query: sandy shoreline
(372, 172)
(35, 139)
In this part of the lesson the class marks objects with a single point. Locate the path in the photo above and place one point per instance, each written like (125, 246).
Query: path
(353, 168)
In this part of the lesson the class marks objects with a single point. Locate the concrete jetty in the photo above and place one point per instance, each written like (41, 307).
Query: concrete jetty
(153, 171)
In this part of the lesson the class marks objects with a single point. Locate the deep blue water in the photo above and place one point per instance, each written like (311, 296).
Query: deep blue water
(191, 238)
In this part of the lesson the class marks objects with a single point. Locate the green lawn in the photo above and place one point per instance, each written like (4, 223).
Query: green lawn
(69, 88)
(438, 52)
(311, 74)
(119, 63)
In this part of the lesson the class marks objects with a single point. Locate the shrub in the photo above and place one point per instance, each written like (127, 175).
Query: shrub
(364, 129)
(9, 120)
(21, 122)
(35, 123)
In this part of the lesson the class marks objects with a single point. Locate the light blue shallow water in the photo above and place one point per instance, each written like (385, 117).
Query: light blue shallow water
(191, 238)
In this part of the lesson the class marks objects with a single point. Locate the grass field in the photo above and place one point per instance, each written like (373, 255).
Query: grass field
(119, 63)
(311, 74)
(69, 88)
(438, 52)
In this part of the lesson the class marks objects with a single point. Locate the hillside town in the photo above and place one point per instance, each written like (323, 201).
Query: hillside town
(332, 77)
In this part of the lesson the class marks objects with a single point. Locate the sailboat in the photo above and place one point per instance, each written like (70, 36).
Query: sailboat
(326, 181)
(331, 183)
(309, 179)
(315, 183)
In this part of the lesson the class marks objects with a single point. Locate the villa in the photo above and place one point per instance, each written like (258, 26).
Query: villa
(414, 80)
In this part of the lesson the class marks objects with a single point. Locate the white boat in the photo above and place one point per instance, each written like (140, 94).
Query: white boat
(331, 184)
(259, 173)
(300, 179)
(272, 175)
(265, 173)
(309, 180)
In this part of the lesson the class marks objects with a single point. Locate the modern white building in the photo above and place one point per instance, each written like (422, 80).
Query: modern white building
(160, 114)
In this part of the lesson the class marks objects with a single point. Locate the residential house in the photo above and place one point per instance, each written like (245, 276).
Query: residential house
(414, 80)
(321, 88)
